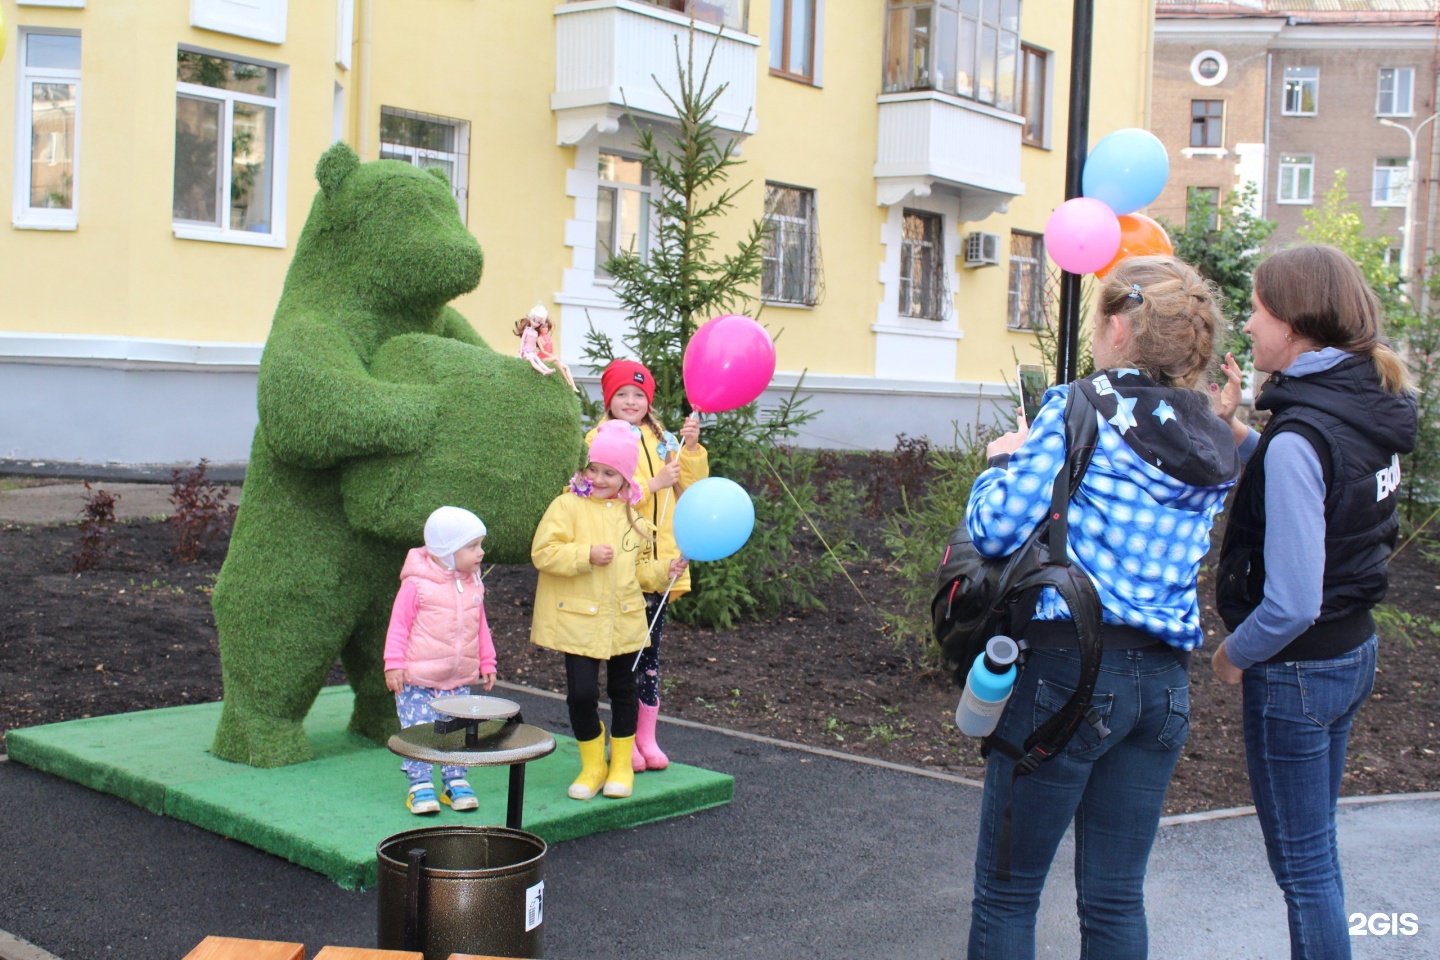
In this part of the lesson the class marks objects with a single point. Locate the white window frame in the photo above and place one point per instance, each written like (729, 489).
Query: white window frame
(647, 205)
(459, 159)
(344, 32)
(188, 230)
(1047, 83)
(24, 216)
(1304, 76)
(1036, 318)
(808, 249)
(1297, 163)
(940, 270)
(1397, 109)
(1396, 176)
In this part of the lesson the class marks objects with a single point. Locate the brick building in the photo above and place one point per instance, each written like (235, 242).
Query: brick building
(1285, 93)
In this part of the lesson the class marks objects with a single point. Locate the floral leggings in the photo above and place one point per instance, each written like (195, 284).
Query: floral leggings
(647, 672)
(413, 705)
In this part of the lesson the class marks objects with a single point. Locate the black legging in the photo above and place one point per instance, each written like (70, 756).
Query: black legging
(582, 681)
(647, 674)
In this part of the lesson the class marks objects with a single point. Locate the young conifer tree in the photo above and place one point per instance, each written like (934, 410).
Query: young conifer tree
(667, 295)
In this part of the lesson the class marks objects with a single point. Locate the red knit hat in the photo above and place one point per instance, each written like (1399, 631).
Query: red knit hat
(626, 373)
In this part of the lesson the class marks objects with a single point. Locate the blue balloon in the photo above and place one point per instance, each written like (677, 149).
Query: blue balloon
(713, 519)
(1126, 171)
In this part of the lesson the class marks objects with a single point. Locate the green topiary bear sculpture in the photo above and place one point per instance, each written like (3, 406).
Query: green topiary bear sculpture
(378, 403)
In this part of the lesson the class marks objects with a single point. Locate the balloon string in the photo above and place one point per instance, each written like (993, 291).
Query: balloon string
(651, 629)
(816, 530)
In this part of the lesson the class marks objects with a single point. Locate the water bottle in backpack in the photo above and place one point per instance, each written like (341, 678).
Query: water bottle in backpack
(987, 688)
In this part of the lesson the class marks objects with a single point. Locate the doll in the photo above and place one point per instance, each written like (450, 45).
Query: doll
(527, 328)
(546, 347)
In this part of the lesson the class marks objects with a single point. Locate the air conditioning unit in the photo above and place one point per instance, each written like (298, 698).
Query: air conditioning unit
(982, 249)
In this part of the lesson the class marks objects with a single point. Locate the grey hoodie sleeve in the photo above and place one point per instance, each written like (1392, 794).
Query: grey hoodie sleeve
(1294, 552)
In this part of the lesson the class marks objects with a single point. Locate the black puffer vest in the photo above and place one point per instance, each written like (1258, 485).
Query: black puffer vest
(1358, 431)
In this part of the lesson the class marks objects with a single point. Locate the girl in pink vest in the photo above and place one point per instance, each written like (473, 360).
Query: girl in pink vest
(439, 643)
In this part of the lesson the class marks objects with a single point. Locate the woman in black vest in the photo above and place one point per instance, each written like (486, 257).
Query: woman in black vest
(1304, 561)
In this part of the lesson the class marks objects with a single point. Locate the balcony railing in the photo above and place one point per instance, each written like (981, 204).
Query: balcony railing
(610, 53)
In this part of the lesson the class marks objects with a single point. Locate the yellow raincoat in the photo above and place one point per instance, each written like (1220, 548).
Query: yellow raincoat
(583, 609)
(655, 507)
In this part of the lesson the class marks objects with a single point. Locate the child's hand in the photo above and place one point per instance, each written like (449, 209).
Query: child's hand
(487, 681)
(666, 476)
(394, 680)
(601, 554)
(677, 566)
(690, 433)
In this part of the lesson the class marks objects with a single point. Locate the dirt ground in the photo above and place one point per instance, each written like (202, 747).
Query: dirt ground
(138, 633)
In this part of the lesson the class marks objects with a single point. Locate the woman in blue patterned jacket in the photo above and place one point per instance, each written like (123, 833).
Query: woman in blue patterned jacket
(1139, 525)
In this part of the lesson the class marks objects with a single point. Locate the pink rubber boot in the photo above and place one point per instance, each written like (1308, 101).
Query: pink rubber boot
(637, 759)
(650, 753)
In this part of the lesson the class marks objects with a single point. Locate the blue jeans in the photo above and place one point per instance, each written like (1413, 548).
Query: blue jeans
(1297, 722)
(1112, 788)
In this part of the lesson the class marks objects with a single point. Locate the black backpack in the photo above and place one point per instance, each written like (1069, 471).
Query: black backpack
(977, 597)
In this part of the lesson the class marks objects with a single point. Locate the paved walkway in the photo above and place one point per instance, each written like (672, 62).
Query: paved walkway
(63, 502)
(820, 856)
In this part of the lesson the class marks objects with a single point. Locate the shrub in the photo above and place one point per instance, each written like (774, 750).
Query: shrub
(917, 533)
(201, 511)
(96, 528)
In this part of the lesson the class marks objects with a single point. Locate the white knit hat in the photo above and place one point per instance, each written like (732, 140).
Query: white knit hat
(448, 529)
(538, 312)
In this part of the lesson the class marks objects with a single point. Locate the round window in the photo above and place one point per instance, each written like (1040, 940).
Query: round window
(1208, 68)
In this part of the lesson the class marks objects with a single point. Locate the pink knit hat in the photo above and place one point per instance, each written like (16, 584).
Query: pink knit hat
(615, 446)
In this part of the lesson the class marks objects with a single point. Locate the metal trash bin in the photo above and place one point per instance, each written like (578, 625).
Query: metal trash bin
(455, 889)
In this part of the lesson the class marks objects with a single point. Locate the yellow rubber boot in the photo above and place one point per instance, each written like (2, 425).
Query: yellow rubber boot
(622, 774)
(592, 767)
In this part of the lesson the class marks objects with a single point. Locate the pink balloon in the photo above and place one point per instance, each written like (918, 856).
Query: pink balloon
(728, 363)
(1082, 235)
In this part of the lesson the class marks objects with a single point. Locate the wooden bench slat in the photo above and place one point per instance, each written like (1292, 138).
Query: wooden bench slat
(234, 948)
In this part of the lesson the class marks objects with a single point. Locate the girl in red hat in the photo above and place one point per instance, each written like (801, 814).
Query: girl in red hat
(666, 466)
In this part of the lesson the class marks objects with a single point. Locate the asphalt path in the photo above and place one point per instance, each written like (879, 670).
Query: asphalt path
(817, 856)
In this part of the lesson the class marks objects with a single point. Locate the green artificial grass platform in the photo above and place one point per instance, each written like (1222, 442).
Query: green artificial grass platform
(329, 813)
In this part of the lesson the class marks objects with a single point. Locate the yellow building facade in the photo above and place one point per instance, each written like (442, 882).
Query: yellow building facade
(160, 158)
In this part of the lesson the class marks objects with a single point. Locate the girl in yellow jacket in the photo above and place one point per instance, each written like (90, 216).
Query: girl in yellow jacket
(595, 559)
(665, 467)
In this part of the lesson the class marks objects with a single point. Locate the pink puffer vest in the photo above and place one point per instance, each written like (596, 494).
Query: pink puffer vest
(445, 640)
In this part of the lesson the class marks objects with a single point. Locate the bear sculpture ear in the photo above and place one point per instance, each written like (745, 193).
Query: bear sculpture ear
(438, 174)
(335, 165)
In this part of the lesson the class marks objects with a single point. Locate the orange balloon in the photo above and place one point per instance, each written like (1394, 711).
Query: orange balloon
(1139, 237)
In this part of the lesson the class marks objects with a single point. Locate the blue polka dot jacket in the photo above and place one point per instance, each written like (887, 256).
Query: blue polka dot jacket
(1140, 522)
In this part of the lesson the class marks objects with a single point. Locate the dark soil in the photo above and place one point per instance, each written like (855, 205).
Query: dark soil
(138, 633)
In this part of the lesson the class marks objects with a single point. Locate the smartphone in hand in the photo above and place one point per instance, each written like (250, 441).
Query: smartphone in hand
(1032, 380)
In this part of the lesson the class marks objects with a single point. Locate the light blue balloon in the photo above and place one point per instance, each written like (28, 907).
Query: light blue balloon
(1126, 171)
(713, 519)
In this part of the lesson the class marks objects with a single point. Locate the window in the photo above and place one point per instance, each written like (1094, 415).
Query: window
(622, 214)
(734, 14)
(923, 291)
(791, 254)
(1207, 123)
(1209, 67)
(966, 47)
(1302, 91)
(49, 105)
(1027, 281)
(1210, 198)
(1297, 179)
(1392, 182)
(227, 126)
(1395, 96)
(1035, 63)
(426, 140)
(792, 38)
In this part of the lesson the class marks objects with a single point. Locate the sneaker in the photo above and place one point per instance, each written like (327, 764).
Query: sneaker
(459, 796)
(421, 799)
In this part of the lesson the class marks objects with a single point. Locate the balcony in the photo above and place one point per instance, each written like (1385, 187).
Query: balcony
(607, 50)
(935, 141)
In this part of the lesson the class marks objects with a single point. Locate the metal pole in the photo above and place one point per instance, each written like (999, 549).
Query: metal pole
(1077, 145)
(515, 800)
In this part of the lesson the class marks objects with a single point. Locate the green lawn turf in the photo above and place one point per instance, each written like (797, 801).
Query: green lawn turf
(330, 813)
